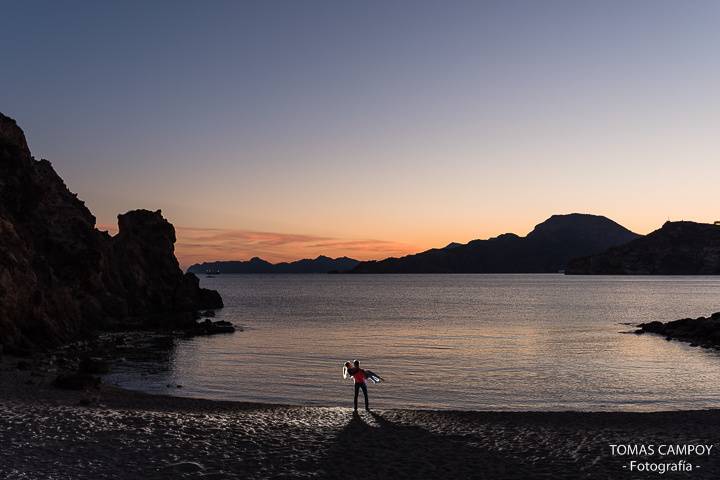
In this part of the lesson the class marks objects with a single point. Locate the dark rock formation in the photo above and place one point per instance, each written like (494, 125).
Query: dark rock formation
(153, 284)
(678, 248)
(61, 278)
(321, 264)
(208, 327)
(76, 381)
(546, 249)
(94, 365)
(703, 331)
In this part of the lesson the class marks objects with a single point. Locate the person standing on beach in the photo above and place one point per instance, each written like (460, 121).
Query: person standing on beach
(359, 377)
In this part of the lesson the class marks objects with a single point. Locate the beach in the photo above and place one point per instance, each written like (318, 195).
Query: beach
(48, 433)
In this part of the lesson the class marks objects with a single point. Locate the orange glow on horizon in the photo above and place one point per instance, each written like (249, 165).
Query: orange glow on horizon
(197, 245)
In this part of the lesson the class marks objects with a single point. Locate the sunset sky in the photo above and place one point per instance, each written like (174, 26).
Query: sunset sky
(288, 129)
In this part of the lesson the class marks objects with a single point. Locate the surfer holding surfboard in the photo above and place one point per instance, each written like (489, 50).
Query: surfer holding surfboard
(360, 377)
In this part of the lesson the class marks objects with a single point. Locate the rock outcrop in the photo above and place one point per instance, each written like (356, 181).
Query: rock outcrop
(61, 278)
(702, 331)
(677, 248)
(546, 249)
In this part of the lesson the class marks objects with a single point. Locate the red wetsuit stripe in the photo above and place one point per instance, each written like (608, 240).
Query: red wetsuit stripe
(359, 376)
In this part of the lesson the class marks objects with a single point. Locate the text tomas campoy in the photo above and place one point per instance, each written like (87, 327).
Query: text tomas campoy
(663, 449)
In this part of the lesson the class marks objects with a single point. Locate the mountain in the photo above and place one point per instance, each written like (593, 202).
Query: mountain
(677, 248)
(61, 278)
(546, 249)
(321, 264)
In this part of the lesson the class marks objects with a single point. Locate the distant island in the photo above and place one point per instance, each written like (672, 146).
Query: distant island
(547, 249)
(677, 248)
(321, 264)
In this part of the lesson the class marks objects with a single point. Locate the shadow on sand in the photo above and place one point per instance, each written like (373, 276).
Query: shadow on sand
(371, 447)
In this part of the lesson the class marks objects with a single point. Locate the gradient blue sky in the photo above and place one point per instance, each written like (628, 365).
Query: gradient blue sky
(289, 129)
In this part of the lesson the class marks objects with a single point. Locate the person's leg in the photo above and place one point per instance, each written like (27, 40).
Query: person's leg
(357, 390)
(364, 389)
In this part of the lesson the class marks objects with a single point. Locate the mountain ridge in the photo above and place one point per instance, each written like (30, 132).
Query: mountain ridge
(256, 265)
(546, 249)
(676, 248)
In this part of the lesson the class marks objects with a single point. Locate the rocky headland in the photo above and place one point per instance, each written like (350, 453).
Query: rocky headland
(699, 332)
(62, 279)
(677, 248)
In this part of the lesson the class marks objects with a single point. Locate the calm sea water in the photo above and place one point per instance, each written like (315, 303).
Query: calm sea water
(500, 342)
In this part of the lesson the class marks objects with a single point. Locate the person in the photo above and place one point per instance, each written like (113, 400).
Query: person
(359, 376)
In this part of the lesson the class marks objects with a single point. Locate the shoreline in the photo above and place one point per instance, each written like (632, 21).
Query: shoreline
(117, 433)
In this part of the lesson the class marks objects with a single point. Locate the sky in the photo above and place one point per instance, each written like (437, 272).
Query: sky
(289, 129)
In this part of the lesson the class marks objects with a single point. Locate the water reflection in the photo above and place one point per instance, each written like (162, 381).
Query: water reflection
(501, 342)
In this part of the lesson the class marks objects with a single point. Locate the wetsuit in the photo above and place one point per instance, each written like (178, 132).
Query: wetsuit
(359, 376)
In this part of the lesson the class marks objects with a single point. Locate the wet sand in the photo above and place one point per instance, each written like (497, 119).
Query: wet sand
(47, 433)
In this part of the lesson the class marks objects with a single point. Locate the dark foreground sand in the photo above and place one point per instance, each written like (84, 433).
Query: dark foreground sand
(47, 434)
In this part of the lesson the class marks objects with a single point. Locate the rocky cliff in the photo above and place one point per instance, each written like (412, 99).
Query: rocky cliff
(546, 249)
(677, 248)
(61, 278)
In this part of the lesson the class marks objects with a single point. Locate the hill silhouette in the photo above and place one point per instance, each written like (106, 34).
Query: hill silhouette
(321, 264)
(547, 249)
(677, 248)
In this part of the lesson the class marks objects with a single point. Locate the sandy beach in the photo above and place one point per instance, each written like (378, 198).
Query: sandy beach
(48, 433)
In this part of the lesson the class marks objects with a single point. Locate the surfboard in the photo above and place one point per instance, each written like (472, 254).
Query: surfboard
(373, 377)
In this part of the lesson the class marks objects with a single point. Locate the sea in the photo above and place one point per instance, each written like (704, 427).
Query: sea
(451, 342)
